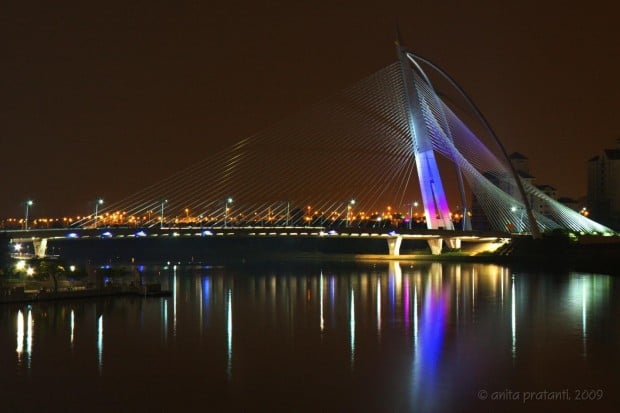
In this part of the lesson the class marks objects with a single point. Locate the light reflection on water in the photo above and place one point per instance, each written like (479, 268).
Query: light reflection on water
(422, 336)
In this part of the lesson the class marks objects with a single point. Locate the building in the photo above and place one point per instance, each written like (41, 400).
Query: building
(522, 166)
(604, 187)
(540, 206)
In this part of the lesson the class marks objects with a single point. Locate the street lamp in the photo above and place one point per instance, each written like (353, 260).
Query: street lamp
(349, 211)
(519, 221)
(161, 222)
(29, 203)
(229, 200)
(97, 203)
(412, 205)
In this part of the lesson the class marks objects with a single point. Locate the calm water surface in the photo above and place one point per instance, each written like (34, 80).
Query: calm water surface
(323, 337)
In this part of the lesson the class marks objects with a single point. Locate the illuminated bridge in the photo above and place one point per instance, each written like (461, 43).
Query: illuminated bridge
(392, 139)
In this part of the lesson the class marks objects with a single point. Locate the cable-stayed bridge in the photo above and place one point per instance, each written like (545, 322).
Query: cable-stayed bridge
(379, 145)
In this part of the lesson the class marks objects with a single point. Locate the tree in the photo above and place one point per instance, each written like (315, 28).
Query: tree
(53, 270)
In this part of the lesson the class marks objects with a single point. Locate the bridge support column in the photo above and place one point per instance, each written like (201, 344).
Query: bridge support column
(436, 244)
(394, 245)
(454, 243)
(40, 245)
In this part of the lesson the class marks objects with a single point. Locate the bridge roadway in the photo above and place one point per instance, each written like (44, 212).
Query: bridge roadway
(394, 236)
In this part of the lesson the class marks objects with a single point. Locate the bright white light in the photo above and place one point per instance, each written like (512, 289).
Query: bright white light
(20, 266)
(100, 341)
(72, 269)
(20, 333)
(72, 325)
(30, 271)
(18, 247)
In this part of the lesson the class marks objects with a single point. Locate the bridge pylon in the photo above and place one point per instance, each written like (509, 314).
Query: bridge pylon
(434, 197)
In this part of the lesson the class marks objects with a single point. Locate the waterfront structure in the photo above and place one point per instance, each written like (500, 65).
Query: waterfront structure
(364, 143)
(604, 187)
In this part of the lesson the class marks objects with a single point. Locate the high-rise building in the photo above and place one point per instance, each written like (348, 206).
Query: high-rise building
(604, 187)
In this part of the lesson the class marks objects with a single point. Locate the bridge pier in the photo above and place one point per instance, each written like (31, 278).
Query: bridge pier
(454, 243)
(394, 245)
(40, 246)
(436, 244)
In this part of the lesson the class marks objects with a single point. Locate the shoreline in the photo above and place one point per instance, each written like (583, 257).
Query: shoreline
(20, 296)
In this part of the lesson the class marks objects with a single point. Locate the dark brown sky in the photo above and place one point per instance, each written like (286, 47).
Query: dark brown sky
(103, 98)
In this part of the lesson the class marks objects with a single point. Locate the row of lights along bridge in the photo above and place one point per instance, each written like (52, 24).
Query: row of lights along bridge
(297, 216)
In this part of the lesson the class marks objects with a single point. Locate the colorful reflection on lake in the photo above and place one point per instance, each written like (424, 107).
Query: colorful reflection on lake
(372, 336)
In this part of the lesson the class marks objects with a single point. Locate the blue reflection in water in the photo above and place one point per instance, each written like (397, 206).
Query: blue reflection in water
(100, 343)
(428, 344)
(229, 332)
(206, 298)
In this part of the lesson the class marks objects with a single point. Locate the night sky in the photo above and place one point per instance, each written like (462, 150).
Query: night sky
(100, 99)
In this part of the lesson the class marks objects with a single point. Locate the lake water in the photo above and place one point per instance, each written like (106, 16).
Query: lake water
(367, 336)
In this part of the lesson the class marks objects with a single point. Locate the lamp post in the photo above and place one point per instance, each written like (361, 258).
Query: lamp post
(228, 201)
(97, 203)
(349, 212)
(519, 227)
(161, 222)
(412, 205)
(29, 203)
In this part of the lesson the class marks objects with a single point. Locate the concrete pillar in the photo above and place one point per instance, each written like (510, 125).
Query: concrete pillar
(454, 243)
(40, 245)
(394, 245)
(436, 244)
